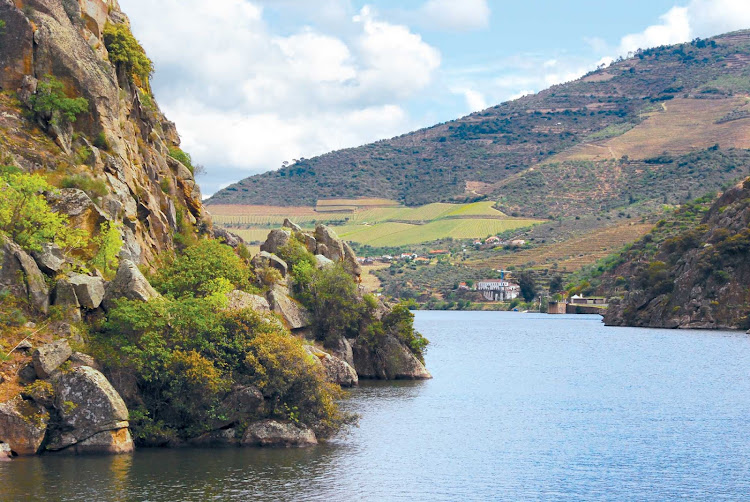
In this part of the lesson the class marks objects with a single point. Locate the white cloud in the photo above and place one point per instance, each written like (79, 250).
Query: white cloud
(245, 97)
(453, 15)
(674, 28)
(700, 18)
(475, 100)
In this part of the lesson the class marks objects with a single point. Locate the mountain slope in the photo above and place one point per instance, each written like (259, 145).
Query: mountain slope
(639, 118)
(690, 272)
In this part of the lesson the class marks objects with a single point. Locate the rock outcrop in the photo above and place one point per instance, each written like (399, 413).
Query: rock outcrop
(20, 275)
(697, 279)
(88, 405)
(128, 283)
(278, 434)
(23, 425)
(126, 137)
(392, 361)
(48, 358)
(337, 370)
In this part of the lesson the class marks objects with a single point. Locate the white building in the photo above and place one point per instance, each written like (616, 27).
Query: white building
(501, 290)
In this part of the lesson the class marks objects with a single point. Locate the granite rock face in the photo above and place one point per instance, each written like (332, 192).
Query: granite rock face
(295, 316)
(23, 425)
(393, 361)
(48, 358)
(337, 370)
(278, 434)
(20, 275)
(88, 405)
(129, 283)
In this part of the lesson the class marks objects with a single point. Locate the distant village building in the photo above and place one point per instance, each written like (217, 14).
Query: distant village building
(493, 240)
(498, 290)
(463, 286)
(518, 243)
(580, 300)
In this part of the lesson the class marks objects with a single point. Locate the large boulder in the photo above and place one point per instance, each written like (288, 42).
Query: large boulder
(391, 361)
(229, 238)
(89, 290)
(290, 224)
(87, 405)
(128, 283)
(20, 274)
(323, 262)
(275, 240)
(333, 248)
(265, 259)
(65, 297)
(48, 358)
(23, 425)
(50, 258)
(337, 370)
(295, 316)
(278, 434)
(332, 245)
(112, 442)
(240, 300)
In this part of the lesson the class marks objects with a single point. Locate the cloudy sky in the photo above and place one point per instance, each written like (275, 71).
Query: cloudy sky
(252, 83)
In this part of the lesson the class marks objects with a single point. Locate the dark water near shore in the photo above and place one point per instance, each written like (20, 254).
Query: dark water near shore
(522, 407)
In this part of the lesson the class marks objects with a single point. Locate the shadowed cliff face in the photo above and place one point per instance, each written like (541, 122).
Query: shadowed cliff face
(698, 278)
(129, 138)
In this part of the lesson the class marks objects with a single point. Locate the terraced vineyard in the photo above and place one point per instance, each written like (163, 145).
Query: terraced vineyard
(373, 221)
(573, 254)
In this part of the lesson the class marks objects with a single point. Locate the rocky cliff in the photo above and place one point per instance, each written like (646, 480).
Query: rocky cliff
(105, 249)
(120, 142)
(695, 278)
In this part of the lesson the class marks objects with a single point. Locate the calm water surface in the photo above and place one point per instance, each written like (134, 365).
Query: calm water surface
(522, 407)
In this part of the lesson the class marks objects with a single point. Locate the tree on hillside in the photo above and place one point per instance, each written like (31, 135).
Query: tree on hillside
(556, 284)
(527, 281)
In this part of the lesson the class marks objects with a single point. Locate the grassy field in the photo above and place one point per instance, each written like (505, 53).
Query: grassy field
(373, 221)
(573, 254)
(376, 222)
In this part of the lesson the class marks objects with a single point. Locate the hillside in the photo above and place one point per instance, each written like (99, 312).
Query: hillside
(661, 126)
(690, 271)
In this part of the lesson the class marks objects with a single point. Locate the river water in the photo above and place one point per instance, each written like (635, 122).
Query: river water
(522, 407)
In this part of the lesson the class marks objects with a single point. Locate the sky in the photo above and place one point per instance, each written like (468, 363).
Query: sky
(254, 83)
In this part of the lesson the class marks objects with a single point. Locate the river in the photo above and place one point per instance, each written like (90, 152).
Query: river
(521, 407)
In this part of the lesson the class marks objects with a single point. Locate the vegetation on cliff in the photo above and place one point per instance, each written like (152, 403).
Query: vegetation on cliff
(691, 270)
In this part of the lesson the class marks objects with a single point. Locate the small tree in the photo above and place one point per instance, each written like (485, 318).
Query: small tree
(51, 103)
(126, 52)
(527, 282)
(25, 215)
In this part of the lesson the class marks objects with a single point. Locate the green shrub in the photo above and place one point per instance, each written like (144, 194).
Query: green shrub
(332, 296)
(26, 217)
(400, 322)
(51, 103)
(109, 243)
(192, 271)
(125, 51)
(184, 354)
(94, 188)
(100, 141)
(183, 157)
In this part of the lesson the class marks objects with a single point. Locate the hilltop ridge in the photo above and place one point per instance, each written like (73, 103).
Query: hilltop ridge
(611, 133)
